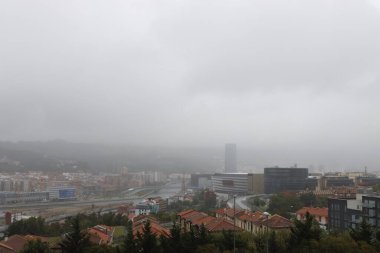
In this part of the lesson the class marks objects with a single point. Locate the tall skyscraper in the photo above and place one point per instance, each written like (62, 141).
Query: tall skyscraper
(230, 158)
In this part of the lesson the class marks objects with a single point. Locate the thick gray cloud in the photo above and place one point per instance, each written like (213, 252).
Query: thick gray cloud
(271, 74)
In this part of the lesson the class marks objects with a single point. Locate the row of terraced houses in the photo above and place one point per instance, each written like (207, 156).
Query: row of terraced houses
(245, 220)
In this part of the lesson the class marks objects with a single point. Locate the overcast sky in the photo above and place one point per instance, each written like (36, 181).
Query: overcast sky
(270, 74)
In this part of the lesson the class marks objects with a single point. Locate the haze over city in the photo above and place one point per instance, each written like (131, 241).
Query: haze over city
(166, 126)
(288, 81)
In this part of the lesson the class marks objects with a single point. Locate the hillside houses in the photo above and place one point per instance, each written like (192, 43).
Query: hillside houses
(245, 220)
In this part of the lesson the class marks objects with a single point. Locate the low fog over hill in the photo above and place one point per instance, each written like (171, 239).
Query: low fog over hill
(61, 155)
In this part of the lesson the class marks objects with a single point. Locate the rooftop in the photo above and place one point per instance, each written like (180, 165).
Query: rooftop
(315, 211)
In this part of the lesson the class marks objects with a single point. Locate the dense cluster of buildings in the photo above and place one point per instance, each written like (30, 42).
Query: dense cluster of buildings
(37, 186)
(282, 179)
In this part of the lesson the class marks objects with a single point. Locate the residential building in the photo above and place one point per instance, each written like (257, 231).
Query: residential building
(229, 213)
(190, 218)
(276, 223)
(371, 210)
(254, 222)
(158, 230)
(321, 215)
(16, 243)
(101, 234)
(250, 221)
(344, 213)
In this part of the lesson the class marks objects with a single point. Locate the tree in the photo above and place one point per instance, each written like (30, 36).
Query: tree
(225, 241)
(101, 249)
(342, 243)
(189, 240)
(75, 241)
(209, 198)
(308, 199)
(273, 246)
(204, 237)
(147, 240)
(208, 248)
(363, 232)
(129, 242)
(35, 226)
(36, 246)
(304, 234)
(283, 205)
(174, 243)
(260, 242)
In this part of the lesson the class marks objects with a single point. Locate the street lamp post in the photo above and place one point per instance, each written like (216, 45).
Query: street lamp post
(234, 224)
(267, 234)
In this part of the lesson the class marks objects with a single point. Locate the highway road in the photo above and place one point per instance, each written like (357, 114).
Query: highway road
(70, 203)
(163, 192)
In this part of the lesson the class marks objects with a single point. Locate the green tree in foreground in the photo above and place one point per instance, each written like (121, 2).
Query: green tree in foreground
(34, 226)
(363, 232)
(147, 241)
(36, 246)
(304, 235)
(129, 242)
(75, 241)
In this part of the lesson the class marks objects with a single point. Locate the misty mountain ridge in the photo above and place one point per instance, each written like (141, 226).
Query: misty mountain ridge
(62, 156)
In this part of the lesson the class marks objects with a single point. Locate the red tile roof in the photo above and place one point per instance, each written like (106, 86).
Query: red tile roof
(5, 248)
(143, 218)
(101, 234)
(277, 222)
(315, 211)
(15, 242)
(230, 212)
(220, 224)
(36, 237)
(98, 237)
(156, 229)
(196, 216)
(203, 220)
(190, 214)
(252, 217)
(185, 212)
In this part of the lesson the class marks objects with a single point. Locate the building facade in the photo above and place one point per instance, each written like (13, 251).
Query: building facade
(237, 183)
(371, 210)
(230, 183)
(278, 179)
(22, 197)
(349, 213)
(62, 193)
(328, 182)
